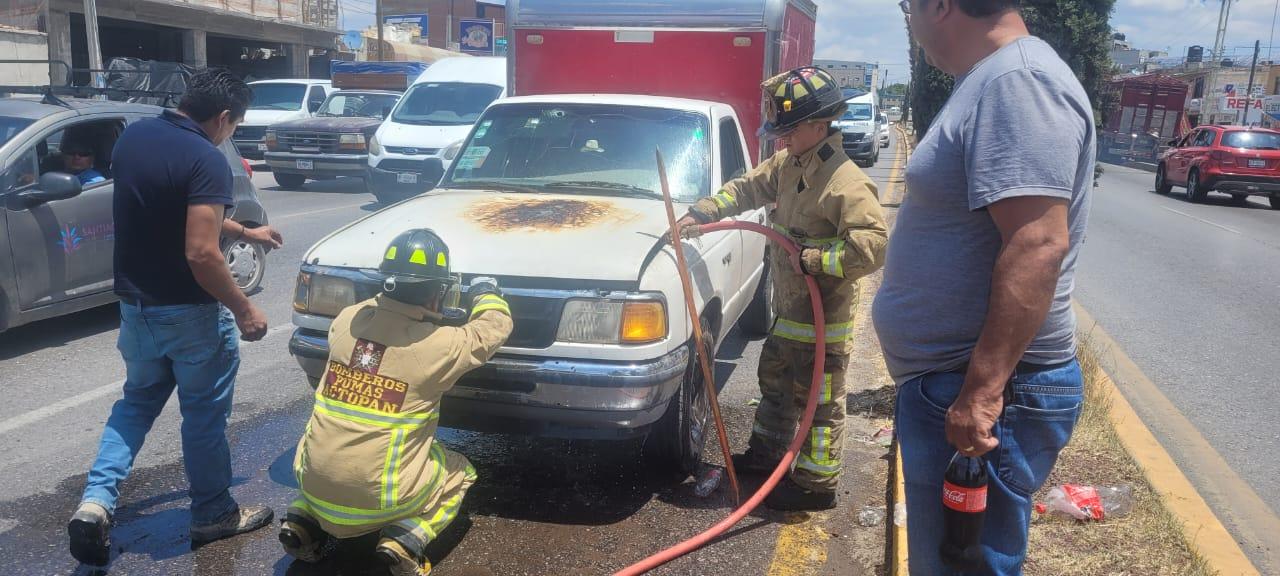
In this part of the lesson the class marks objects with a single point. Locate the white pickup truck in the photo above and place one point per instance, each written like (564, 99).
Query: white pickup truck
(558, 197)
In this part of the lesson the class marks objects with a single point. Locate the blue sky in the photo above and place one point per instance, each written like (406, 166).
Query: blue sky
(873, 30)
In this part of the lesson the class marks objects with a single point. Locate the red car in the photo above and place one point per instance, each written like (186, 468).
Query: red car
(1235, 160)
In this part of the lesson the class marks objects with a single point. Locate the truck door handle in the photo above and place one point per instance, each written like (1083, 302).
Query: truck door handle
(727, 259)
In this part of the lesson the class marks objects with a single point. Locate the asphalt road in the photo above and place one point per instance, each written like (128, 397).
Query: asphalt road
(541, 506)
(1189, 292)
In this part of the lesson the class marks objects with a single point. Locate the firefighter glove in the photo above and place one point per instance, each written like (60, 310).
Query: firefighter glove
(482, 285)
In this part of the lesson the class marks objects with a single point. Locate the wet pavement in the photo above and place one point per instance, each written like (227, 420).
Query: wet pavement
(541, 507)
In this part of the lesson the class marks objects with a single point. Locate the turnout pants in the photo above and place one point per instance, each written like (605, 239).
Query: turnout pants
(413, 532)
(786, 373)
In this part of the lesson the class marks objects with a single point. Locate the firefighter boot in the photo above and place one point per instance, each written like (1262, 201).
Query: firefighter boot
(302, 538)
(88, 532)
(791, 497)
(399, 560)
(752, 462)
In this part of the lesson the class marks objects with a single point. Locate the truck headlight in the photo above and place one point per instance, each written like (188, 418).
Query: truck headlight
(323, 295)
(589, 321)
(270, 139)
(451, 151)
(351, 142)
(374, 147)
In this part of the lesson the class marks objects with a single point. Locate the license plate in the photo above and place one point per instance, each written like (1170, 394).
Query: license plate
(262, 147)
(1257, 163)
(304, 164)
(409, 178)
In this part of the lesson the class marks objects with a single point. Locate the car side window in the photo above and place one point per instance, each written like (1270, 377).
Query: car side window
(23, 172)
(82, 149)
(316, 98)
(1205, 138)
(732, 163)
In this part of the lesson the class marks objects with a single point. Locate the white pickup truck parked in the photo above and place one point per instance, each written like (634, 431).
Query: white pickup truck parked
(558, 197)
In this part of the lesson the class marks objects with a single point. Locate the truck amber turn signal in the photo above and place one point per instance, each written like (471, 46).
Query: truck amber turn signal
(643, 322)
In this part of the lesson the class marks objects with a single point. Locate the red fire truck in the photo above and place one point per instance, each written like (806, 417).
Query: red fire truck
(717, 50)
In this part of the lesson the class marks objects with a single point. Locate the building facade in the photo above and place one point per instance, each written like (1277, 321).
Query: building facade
(850, 74)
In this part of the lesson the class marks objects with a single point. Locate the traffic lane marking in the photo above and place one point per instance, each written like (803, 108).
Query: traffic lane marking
(1251, 517)
(1199, 219)
(90, 395)
(317, 211)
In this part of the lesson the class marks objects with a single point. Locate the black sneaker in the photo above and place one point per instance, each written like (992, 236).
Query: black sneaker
(749, 463)
(237, 521)
(791, 497)
(89, 531)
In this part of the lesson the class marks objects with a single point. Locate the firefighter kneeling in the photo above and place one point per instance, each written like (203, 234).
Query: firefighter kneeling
(368, 460)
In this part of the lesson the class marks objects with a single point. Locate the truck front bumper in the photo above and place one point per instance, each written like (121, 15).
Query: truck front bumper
(406, 176)
(251, 149)
(321, 164)
(860, 150)
(549, 397)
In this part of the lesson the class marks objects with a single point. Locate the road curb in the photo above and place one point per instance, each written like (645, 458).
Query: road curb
(1202, 528)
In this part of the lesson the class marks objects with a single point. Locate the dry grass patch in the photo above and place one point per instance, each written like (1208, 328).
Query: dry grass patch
(1149, 541)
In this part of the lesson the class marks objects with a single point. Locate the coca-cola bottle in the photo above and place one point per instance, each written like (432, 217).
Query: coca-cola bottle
(964, 506)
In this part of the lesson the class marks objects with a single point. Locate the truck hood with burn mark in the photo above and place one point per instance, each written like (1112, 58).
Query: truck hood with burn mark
(576, 236)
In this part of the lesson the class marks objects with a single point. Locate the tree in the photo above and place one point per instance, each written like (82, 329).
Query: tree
(897, 89)
(1077, 29)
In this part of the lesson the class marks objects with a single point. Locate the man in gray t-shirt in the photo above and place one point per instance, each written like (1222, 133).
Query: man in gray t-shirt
(975, 311)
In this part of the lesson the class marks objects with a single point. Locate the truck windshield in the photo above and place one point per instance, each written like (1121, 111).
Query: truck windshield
(1251, 140)
(588, 148)
(445, 103)
(277, 96)
(857, 112)
(10, 127)
(354, 105)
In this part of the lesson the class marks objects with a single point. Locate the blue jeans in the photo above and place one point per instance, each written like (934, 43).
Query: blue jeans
(196, 349)
(1032, 429)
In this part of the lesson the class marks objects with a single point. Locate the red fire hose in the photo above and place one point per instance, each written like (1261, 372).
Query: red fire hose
(819, 359)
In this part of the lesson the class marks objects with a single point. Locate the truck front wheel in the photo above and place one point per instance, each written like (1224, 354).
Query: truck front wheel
(676, 441)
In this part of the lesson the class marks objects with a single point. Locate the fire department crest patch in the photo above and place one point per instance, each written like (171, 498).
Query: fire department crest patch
(367, 356)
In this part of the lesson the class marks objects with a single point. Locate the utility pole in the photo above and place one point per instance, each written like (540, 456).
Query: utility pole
(1219, 52)
(377, 4)
(1248, 94)
(95, 47)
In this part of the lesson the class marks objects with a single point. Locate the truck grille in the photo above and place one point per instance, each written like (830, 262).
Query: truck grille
(854, 136)
(249, 133)
(409, 151)
(308, 142)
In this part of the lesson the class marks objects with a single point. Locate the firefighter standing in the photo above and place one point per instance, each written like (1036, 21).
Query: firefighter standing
(829, 207)
(368, 460)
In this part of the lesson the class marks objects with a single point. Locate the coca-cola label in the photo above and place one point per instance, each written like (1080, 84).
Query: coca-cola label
(963, 499)
(1085, 498)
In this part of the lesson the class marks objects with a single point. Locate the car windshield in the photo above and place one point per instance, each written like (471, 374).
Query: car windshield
(1251, 140)
(10, 127)
(857, 112)
(357, 105)
(586, 148)
(277, 96)
(445, 103)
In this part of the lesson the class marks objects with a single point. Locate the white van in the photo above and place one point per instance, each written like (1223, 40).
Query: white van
(276, 101)
(861, 130)
(415, 144)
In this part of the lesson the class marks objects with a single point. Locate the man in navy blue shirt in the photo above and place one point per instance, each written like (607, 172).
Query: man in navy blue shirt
(179, 311)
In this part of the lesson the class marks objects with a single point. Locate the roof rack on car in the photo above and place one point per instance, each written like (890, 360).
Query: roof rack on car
(51, 92)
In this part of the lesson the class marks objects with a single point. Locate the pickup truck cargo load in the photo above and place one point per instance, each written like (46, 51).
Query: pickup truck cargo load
(715, 50)
(396, 76)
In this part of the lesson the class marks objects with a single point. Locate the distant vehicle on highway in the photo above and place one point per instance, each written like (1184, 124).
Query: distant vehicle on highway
(882, 130)
(332, 143)
(57, 235)
(276, 101)
(895, 110)
(1235, 160)
(861, 128)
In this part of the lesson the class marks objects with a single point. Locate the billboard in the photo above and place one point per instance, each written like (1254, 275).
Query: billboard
(407, 22)
(477, 36)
